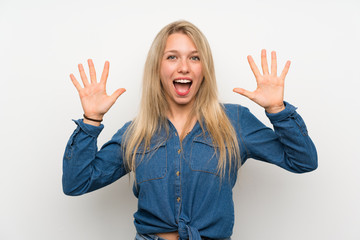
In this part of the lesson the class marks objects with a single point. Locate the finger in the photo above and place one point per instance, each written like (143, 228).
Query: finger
(244, 92)
(92, 71)
(273, 64)
(105, 73)
(253, 67)
(83, 75)
(264, 63)
(75, 82)
(285, 70)
(117, 93)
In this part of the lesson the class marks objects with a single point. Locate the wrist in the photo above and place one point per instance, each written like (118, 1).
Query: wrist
(92, 120)
(96, 124)
(275, 109)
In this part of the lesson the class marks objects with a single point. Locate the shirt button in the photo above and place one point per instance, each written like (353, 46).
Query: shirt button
(177, 173)
(178, 199)
(179, 151)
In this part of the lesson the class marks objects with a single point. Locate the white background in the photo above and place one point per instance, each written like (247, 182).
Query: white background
(41, 43)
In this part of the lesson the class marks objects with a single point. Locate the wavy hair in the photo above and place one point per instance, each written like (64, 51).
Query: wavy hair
(207, 108)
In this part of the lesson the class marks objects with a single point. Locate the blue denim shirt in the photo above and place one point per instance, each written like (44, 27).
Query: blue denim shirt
(180, 190)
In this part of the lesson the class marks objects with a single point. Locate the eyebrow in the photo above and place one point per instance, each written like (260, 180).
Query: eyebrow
(175, 51)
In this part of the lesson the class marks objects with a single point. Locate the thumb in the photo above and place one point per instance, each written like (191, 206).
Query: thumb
(117, 93)
(244, 92)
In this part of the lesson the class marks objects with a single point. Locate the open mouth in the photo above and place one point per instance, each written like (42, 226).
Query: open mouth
(182, 86)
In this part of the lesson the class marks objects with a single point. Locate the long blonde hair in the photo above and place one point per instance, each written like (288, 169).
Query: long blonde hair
(207, 109)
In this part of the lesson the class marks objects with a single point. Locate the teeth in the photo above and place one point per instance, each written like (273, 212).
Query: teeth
(182, 81)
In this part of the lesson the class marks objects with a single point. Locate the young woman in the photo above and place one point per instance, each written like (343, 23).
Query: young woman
(184, 147)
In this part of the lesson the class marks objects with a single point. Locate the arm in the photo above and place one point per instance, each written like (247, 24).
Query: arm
(86, 169)
(289, 147)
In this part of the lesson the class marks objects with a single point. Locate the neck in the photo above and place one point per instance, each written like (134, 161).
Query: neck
(179, 116)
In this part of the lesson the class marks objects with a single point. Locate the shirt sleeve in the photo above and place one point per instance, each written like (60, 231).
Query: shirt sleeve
(288, 145)
(86, 169)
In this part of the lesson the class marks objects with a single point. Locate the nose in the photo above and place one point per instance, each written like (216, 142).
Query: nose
(183, 66)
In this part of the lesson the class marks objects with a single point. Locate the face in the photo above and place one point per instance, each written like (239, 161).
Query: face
(181, 71)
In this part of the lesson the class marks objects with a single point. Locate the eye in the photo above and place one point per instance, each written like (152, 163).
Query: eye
(171, 57)
(195, 58)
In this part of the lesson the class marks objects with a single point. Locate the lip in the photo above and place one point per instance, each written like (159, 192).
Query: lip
(182, 94)
(186, 78)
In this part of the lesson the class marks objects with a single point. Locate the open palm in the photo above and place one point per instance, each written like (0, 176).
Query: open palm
(270, 88)
(94, 99)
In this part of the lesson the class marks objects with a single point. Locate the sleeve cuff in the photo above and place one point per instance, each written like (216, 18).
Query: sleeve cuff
(287, 112)
(91, 130)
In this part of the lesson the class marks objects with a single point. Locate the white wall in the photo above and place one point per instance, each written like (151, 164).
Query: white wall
(41, 43)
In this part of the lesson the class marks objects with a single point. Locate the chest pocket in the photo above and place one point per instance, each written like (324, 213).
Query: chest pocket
(203, 156)
(151, 163)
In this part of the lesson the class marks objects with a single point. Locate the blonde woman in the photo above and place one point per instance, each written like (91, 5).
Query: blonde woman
(184, 147)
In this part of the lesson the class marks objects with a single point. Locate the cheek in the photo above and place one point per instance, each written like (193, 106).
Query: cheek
(164, 78)
(166, 71)
(199, 73)
(162, 74)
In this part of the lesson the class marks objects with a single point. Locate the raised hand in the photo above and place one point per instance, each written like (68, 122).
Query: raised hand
(270, 88)
(94, 99)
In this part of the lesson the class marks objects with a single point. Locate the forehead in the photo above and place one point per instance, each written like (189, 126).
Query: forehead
(179, 42)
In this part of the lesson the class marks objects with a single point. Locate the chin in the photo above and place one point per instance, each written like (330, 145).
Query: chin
(183, 101)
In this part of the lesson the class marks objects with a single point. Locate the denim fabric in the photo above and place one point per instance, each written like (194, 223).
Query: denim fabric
(147, 237)
(194, 200)
(154, 237)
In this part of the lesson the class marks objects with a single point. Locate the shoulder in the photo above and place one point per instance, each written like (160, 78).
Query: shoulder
(234, 107)
(118, 136)
(241, 117)
(235, 111)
